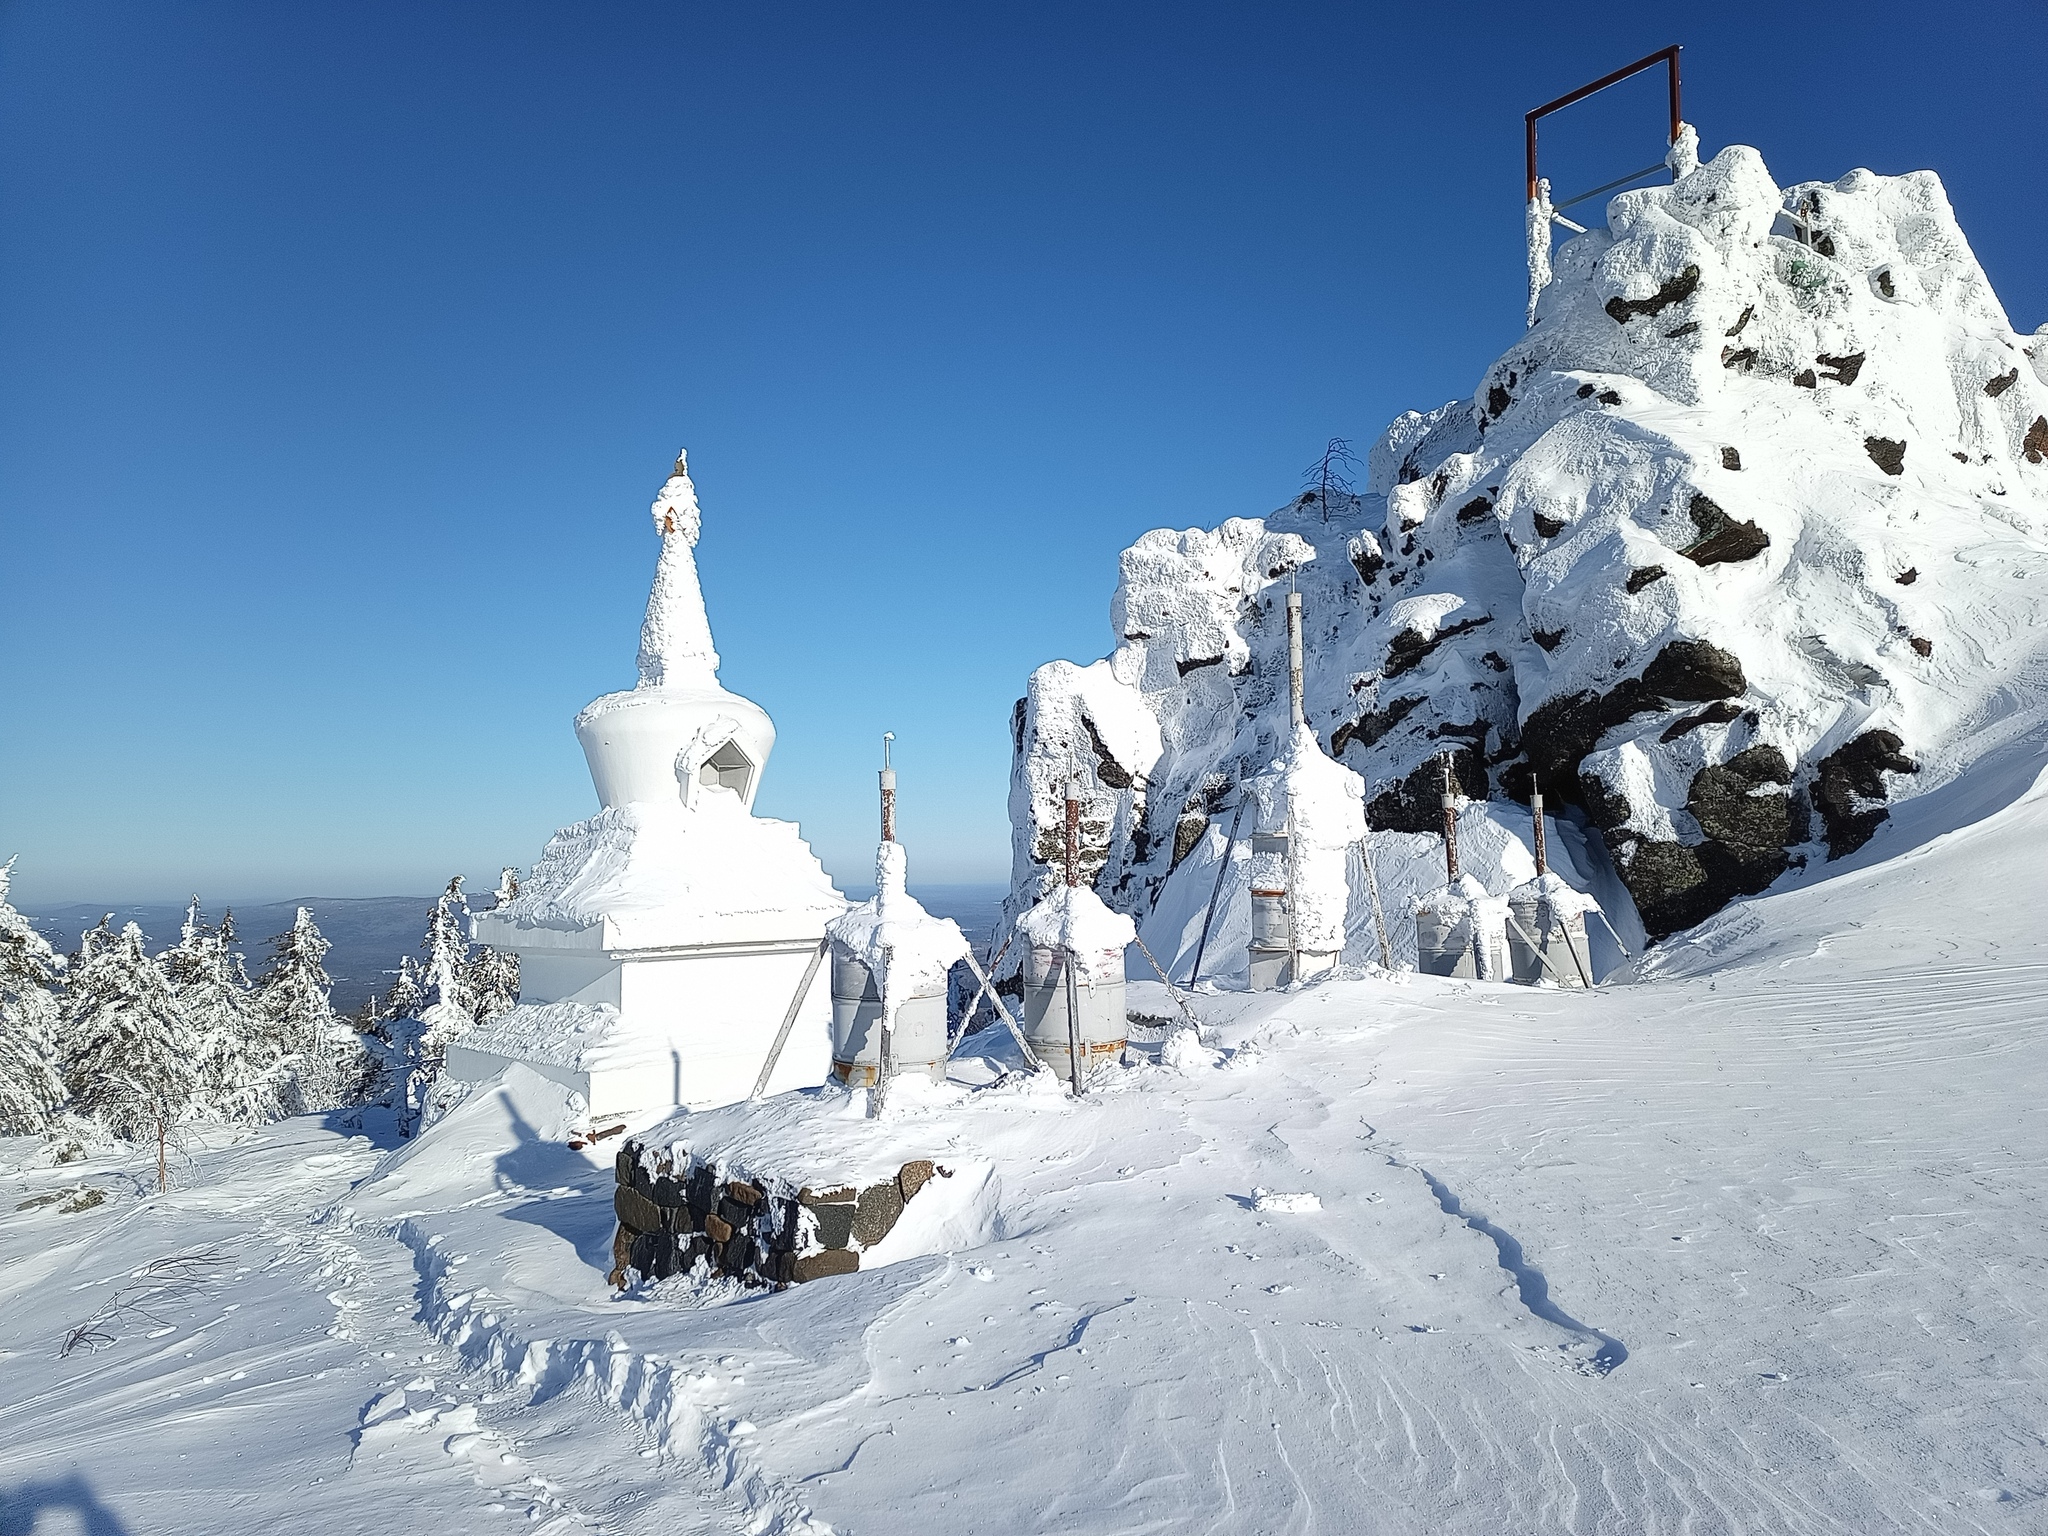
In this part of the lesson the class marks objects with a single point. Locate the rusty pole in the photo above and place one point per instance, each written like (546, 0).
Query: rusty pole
(1450, 823)
(1665, 56)
(1536, 809)
(1294, 659)
(1073, 836)
(888, 791)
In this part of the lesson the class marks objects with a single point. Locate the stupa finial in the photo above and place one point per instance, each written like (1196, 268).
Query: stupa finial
(675, 638)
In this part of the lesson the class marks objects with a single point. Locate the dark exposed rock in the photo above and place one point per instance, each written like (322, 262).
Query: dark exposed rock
(1368, 561)
(1998, 386)
(1884, 284)
(1585, 391)
(1017, 726)
(1562, 731)
(1107, 768)
(1722, 540)
(1748, 314)
(1410, 649)
(1745, 811)
(1924, 647)
(1497, 401)
(835, 1224)
(1369, 728)
(1188, 831)
(875, 1213)
(1714, 714)
(1849, 788)
(1676, 291)
(1416, 803)
(2035, 444)
(1644, 576)
(914, 1175)
(1684, 330)
(816, 1266)
(1694, 670)
(1731, 459)
(1549, 639)
(1669, 885)
(1805, 378)
(1609, 397)
(1743, 357)
(1194, 663)
(1474, 509)
(1888, 454)
(1548, 527)
(1908, 576)
(1842, 370)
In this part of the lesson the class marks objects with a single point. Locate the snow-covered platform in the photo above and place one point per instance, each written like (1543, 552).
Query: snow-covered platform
(790, 1191)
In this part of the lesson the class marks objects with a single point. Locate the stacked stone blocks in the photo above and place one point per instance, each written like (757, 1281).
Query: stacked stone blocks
(675, 1210)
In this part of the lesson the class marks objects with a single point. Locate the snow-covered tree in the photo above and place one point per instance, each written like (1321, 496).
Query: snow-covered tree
(493, 979)
(30, 1089)
(447, 949)
(241, 1063)
(130, 1060)
(295, 997)
(407, 995)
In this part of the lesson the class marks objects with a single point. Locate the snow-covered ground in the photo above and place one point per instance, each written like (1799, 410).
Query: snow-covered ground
(1752, 1244)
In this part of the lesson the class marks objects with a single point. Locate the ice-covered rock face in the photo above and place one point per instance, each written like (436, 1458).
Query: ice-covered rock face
(1743, 538)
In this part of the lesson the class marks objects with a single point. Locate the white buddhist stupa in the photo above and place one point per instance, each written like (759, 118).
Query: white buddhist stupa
(661, 942)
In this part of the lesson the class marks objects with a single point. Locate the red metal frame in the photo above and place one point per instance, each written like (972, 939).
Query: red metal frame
(1661, 56)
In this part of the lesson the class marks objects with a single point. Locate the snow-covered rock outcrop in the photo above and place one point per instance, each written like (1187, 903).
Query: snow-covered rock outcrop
(1743, 539)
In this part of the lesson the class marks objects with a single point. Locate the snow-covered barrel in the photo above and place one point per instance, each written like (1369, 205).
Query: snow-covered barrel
(1459, 932)
(890, 960)
(1546, 932)
(917, 1040)
(1073, 927)
(1313, 810)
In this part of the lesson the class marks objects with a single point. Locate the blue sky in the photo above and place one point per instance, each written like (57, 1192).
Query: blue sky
(345, 345)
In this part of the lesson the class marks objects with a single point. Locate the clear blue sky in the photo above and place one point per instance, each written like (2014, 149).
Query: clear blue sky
(345, 344)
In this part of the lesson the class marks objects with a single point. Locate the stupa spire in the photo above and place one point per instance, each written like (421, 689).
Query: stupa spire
(675, 637)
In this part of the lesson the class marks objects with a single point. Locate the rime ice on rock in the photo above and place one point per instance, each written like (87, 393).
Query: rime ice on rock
(661, 940)
(1742, 540)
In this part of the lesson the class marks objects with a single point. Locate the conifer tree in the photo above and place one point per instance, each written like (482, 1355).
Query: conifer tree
(242, 1063)
(130, 1059)
(295, 997)
(447, 948)
(492, 976)
(30, 1089)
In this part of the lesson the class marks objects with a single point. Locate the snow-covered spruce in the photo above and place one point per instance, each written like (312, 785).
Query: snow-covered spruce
(30, 1089)
(1738, 543)
(132, 1061)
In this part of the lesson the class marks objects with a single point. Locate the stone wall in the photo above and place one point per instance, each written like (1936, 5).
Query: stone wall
(674, 1212)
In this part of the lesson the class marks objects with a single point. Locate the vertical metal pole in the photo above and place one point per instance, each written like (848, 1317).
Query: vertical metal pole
(1536, 810)
(1294, 659)
(1293, 926)
(1674, 101)
(1215, 891)
(1372, 884)
(1450, 824)
(888, 791)
(1073, 1026)
(1073, 836)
